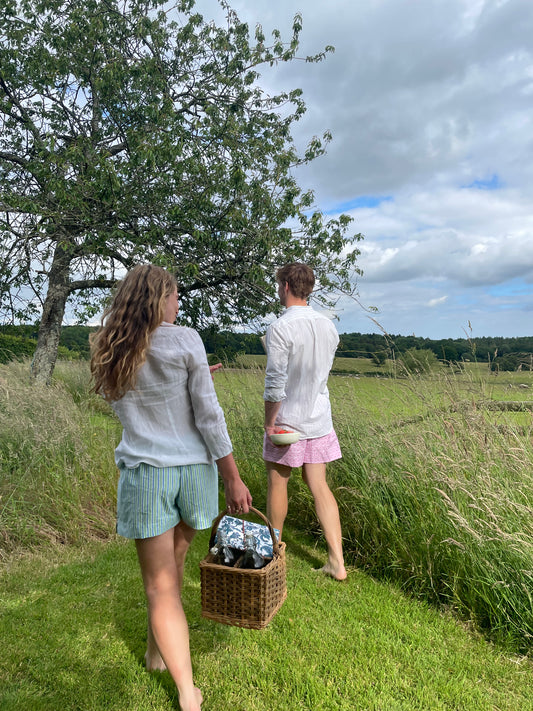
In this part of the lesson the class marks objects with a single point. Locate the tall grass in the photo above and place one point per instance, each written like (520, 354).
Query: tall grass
(435, 489)
(444, 504)
(57, 477)
(446, 508)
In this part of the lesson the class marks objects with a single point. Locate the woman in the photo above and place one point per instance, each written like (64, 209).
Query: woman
(156, 377)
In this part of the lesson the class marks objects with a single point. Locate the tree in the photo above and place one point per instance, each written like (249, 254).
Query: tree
(134, 132)
(379, 357)
(418, 361)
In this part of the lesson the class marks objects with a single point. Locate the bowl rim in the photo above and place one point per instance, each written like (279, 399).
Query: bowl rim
(292, 434)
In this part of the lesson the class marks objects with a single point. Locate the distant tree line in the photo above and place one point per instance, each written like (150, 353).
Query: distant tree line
(502, 353)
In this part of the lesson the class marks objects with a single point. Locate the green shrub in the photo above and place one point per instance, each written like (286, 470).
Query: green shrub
(417, 361)
(15, 347)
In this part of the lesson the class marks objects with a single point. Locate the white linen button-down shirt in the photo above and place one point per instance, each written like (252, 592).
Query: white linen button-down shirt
(300, 347)
(172, 417)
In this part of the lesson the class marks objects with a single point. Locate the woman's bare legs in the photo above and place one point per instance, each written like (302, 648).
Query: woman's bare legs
(162, 559)
(183, 536)
(277, 499)
(327, 512)
(152, 658)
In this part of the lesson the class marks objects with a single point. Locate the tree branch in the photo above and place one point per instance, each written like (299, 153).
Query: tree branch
(92, 284)
(14, 158)
(24, 118)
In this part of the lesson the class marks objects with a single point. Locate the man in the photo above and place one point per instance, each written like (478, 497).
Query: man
(300, 347)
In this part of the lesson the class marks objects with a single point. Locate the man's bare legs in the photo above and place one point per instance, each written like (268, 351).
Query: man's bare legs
(326, 507)
(327, 512)
(277, 499)
(162, 559)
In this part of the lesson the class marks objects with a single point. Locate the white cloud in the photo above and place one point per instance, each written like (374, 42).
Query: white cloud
(436, 302)
(469, 237)
(423, 99)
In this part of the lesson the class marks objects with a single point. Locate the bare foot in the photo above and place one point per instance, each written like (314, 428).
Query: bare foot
(154, 662)
(335, 572)
(193, 704)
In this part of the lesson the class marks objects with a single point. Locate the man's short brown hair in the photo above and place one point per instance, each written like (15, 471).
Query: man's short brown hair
(299, 277)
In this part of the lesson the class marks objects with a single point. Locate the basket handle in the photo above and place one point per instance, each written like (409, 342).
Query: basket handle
(275, 544)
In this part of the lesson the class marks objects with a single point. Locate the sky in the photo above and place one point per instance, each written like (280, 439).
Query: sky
(430, 104)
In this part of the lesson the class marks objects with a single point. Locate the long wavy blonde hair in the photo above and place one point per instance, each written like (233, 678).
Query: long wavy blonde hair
(119, 347)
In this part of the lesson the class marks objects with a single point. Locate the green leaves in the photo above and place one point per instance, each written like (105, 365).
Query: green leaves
(144, 138)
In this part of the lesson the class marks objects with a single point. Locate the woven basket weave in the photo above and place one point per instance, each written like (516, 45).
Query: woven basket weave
(239, 596)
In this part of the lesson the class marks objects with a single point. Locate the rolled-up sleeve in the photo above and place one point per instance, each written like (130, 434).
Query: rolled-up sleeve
(277, 363)
(208, 415)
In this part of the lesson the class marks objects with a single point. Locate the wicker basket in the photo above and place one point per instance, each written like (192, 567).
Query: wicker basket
(243, 597)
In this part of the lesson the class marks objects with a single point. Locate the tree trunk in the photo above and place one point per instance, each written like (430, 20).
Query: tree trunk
(57, 294)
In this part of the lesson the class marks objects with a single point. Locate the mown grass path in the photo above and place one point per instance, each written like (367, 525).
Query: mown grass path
(72, 625)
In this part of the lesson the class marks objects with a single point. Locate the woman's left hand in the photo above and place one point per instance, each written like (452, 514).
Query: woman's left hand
(238, 497)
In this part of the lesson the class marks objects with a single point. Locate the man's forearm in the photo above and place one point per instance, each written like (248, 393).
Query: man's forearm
(271, 411)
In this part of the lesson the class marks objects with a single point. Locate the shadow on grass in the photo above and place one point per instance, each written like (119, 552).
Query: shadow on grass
(75, 636)
(77, 633)
(66, 655)
(304, 551)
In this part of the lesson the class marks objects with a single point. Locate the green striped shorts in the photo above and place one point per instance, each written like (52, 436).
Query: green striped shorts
(151, 500)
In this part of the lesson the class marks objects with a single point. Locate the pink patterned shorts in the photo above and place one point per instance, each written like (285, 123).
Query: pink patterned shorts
(306, 451)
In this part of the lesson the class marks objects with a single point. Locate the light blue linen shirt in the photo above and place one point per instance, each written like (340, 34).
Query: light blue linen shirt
(300, 347)
(172, 417)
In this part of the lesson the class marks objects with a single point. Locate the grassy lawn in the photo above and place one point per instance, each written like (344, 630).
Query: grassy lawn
(72, 623)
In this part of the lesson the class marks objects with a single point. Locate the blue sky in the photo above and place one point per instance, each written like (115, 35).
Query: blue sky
(430, 108)
(492, 183)
(357, 203)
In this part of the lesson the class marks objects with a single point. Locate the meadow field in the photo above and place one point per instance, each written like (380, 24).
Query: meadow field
(352, 366)
(435, 487)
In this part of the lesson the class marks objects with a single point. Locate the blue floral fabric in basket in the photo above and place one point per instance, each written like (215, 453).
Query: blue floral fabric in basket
(233, 528)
